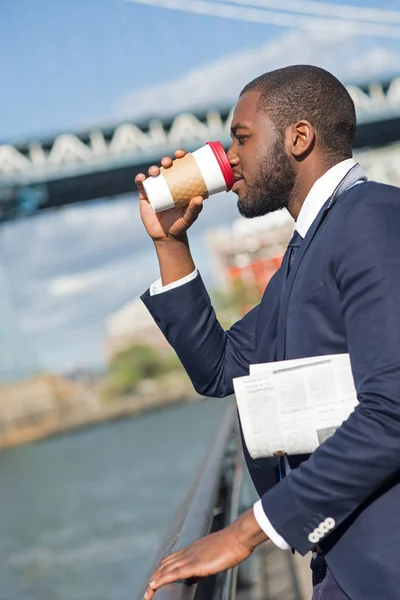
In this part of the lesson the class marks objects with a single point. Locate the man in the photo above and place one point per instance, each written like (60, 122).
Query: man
(338, 290)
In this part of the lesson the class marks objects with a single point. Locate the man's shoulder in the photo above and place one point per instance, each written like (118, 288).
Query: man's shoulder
(373, 189)
(368, 197)
(368, 211)
(371, 186)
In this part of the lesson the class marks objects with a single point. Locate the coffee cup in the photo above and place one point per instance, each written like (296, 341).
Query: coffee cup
(204, 172)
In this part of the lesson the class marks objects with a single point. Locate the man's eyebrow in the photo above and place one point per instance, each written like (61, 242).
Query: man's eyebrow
(237, 126)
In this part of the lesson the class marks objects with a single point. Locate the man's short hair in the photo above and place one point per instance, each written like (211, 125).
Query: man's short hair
(311, 93)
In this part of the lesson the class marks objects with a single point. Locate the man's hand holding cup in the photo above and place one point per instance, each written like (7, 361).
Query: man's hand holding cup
(171, 223)
(171, 198)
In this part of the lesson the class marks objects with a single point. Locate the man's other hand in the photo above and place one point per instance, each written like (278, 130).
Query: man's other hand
(210, 555)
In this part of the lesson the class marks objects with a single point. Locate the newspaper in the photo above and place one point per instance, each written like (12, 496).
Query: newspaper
(293, 406)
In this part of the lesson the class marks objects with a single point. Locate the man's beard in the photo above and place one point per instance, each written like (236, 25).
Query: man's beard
(273, 186)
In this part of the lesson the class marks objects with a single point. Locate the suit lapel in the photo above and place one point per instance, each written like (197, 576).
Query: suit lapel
(288, 283)
(355, 174)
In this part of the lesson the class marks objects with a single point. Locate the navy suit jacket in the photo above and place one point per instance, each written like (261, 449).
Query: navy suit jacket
(342, 295)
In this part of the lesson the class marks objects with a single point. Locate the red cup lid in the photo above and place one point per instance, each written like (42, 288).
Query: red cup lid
(224, 163)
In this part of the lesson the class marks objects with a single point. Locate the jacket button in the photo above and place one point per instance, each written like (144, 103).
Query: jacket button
(313, 537)
(330, 523)
(323, 529)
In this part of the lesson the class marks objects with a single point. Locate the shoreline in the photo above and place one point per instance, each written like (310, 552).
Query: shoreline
(118, 416)
(87, 410)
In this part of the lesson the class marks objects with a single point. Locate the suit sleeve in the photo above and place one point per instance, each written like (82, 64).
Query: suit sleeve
(210, 355)
(363, 454)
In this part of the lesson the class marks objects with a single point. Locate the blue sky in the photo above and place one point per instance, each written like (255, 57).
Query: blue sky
(69, 64)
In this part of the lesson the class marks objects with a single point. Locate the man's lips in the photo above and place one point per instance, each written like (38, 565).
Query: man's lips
(237, 182)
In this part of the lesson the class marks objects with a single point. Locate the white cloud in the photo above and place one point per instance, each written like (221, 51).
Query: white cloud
(39, 323)
(374, 63)
(219, 82)
(70, 285)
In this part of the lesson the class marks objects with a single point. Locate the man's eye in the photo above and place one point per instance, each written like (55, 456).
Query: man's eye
(241, 139)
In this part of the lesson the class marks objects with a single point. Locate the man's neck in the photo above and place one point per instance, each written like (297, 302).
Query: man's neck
(305, 181)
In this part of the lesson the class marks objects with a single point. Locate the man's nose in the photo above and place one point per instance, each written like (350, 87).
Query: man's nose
(232, 157)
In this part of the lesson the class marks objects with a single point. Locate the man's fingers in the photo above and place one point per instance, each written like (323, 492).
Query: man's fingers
(169, 574)
(193, 210)
(164, 568)
(149, 593)
(172, 568)
(195, 206)
(140, 177)
(171, 557)
(139, 184)
(154, 171)
(166, 162)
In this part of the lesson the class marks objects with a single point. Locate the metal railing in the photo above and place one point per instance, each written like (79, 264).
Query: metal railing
(213, 502)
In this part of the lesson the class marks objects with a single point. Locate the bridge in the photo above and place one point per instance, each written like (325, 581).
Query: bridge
(103, 161)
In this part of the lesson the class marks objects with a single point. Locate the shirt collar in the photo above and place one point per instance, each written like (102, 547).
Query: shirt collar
(322, 189)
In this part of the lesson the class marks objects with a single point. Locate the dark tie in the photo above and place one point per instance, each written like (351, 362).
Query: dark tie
(293, 246)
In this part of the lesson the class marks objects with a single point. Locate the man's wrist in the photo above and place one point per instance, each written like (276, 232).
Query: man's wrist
(167, 239)
(248, 531)
(174, 259)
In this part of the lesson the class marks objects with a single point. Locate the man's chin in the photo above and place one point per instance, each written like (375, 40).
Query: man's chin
(251, 210)
(245, 209)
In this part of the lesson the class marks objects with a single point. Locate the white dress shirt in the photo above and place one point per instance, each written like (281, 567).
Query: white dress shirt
(322, 189)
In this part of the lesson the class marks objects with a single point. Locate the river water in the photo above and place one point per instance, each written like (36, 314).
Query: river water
(82, 515)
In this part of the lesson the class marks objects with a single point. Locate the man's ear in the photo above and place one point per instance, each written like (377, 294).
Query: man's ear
(301, 139)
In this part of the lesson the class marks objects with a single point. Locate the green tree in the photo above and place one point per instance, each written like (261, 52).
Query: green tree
(133, 364)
